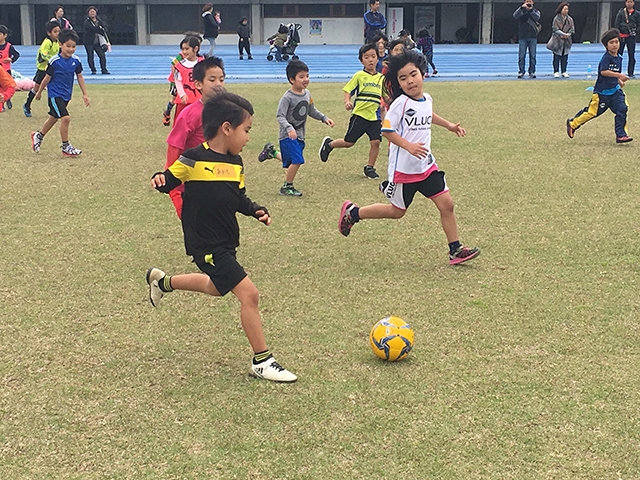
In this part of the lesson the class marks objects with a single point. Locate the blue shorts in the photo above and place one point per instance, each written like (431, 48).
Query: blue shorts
(291, 151)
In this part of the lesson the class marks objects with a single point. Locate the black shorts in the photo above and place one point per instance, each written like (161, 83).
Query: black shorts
(401, 194)
(58, 107)
(358, 126)
(39, 76)
(222, 268)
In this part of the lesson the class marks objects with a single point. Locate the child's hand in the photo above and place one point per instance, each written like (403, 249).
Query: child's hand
(38, 95)
(457, 129)
(622, 78)
(330, 122)
(348, 105)
(184, 99)
(158, 180)
(417, 150)
(87, 102)
(263, 217)
(6, 60)
(292, 134)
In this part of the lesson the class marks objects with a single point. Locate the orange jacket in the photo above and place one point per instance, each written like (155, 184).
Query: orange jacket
(7, 84)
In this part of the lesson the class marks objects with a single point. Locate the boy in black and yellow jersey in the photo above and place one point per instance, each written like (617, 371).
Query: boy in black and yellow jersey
(213, 178)
(365, 89)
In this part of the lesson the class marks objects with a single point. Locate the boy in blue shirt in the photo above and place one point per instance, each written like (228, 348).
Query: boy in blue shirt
(59, 80)
(607, 92)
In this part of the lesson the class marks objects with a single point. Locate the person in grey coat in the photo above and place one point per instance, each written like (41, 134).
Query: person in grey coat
(562, 29)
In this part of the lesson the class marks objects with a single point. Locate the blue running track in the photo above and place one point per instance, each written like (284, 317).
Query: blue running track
(329, 63)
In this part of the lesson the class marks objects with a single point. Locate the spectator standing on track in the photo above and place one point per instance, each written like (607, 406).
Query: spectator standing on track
(627, 22)
(58, 16)
(374, 21)
(94, 29)
(528, 28)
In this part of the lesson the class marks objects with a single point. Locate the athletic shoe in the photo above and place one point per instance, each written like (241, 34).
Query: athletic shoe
(570, 130)
(154, 275)
(241, 57)
(272, 370)
(521, 75)
(325, 149)
(346, 222)
(565, 75)
(71, 151)
(532, 75)
(462, 254)
(250, 57)
(166, 119)
(556, 74)
(370, 172)
(269, 151)
(624, 139)
(9, 104)
(26, 110)
(290, 191)
(435, 72)
(36, 141)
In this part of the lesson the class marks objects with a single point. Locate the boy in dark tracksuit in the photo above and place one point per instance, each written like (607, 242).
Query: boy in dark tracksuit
(244, 32)
(607, 92)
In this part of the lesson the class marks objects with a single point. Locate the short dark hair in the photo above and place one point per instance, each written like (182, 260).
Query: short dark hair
(394, 43)
(378, 37)
(224, 107)
(371, 2)
(50, 26)
(610, 35)
(365, 48)
(4, 29)
(561, 6)
(200, 69)
(294, 67)
(423, 33)
(67, 34)
(398, 62)
(192, 41)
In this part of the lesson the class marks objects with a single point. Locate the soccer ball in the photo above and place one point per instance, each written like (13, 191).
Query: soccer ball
(391, 339)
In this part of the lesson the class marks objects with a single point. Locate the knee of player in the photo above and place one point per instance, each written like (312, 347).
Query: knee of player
(251, 297)
(397, 212)
(66, 119)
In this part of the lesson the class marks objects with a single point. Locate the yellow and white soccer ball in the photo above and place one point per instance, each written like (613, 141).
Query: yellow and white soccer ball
(391, 339)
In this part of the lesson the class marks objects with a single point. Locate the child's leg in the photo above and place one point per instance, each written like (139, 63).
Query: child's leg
(291, 171)
(240, 47)
(194, 282)
(48, 125)
(618, 105)
(248, 295)
(590, 112)
(340, 143)
(31, 95)
(64, 128)
(445, 206)
(380, 210)
(374, 149)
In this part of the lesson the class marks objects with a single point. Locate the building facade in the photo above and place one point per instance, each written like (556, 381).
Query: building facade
(160, 22)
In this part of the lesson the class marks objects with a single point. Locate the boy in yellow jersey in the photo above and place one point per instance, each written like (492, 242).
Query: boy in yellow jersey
(365, 88)
(48, 49)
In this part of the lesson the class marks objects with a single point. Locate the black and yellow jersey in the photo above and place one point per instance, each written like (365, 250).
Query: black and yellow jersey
(213, 193)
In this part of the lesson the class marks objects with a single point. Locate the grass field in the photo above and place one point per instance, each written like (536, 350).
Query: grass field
(526, 359)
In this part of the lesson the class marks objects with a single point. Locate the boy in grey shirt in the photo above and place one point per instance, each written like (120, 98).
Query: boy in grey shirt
(294, 107)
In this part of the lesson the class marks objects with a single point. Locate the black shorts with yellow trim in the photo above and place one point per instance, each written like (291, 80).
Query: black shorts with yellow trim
(222, 268)
(358, 126)
(39, 77)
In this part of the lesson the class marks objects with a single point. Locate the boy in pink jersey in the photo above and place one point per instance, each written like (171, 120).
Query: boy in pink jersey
(208, 77)
(412, 167)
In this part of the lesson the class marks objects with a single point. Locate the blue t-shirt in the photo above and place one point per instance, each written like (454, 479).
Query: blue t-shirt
(62, 71)
(608, 85)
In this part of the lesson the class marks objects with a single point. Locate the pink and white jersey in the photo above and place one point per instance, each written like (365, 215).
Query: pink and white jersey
(411, 119)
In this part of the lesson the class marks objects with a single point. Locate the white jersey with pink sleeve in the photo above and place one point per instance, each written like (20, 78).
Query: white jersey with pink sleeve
(411, 119)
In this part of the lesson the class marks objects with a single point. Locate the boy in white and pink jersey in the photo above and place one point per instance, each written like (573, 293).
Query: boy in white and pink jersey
(412, 166)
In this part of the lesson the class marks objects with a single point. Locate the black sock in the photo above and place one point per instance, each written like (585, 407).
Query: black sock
(165, 284)
(260, 357)
(30, 97)
(453, 246)
(65, 144)
(355, 214)
(288, 184)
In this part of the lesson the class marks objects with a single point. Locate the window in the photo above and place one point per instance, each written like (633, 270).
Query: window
(313, 10)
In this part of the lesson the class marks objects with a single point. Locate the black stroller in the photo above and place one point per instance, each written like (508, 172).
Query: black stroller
(289, 48)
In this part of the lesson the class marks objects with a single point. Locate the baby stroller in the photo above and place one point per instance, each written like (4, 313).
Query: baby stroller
(289, 47)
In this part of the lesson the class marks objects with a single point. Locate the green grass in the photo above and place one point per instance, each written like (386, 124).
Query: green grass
(526, 359)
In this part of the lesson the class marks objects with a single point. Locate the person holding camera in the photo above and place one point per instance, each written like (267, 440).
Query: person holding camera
(528, 28)
(627, 22)
(95, 40)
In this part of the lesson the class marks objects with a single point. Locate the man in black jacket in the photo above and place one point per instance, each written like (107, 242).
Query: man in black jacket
(528, 22)
(627, 22)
